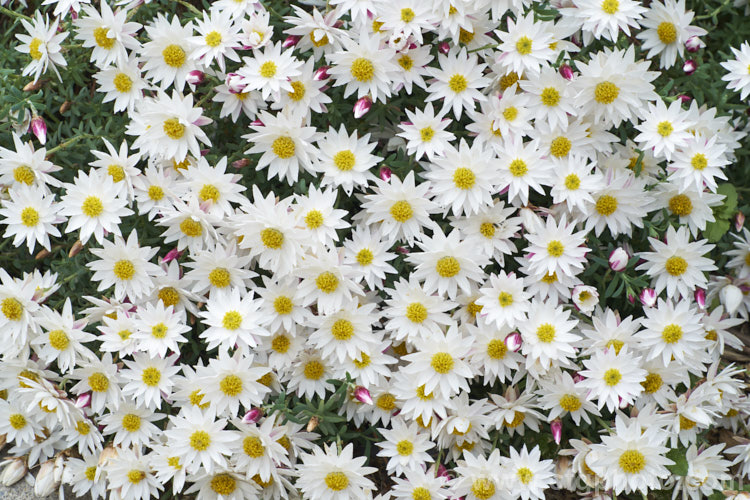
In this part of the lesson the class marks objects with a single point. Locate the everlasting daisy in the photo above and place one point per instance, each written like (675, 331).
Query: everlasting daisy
(492, 229)
(677, 265)
(122, 84)
(667, 29)
(480, 477)
(332, 475)
(425, 132)
(43, 46)
(525, 45)
(412, 62)
(100, 377)
(270, 71)
(561, 395)
(345, 333)
(504, 300)
(412, 313)
(200, 440)
(159, 329)
(217, 38)
(555, 248)
(108, 34)
(531, 474)
(317, 31)
(547, 335)
(490, 355)
(738, 75)
(26, 166)
(606, 18)
(149, 380)
(62, 338)
(613, 378)
(229, 382)
(167, 55)
(369, 255)
(345, 160)
(521, 168)
(672, 331)
(261, 452)
(457, 82)
(619, 204)
(232, 320)
(699, 163)
(30, 215)
(215, 189)
(130, 474)
(664, 128)
(405, 447)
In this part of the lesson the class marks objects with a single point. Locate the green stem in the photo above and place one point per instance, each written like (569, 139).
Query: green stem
(69, 142)
(15, 14)
(488, 46)
(714, 12)
(190, 6)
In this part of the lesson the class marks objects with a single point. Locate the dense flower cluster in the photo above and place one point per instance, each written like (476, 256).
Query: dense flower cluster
(422, 298)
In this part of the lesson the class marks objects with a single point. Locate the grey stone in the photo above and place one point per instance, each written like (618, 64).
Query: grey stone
(23, 491)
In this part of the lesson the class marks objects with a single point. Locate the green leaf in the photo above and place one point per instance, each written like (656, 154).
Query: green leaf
(715, 230)
(730, 202)
(680, 467)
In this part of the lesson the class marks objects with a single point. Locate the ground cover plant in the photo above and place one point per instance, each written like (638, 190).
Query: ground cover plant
(356, 249)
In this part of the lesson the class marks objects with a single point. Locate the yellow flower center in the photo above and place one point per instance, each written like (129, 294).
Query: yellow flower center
(442, 362)
(671, 334)
(169, 296)
(159, 331)
(17, 421)
(550, 278)
(496, 349)
(699, 161)
(136, 476)
(122, 82)
(29, 217)
(555, 248)
(272, 238)
(11, 309)
(523, 45)
(426, 134)
(570, 402)
(518, 168)
(314, 370)
(281, 344)
(314, 219)
(680, 205)
(405, 62)
(92, 206)
(173, 128)
(632, 461)
(268, 69)
(90, 473)
(550, 96)
(510, 113)
(652, 383)
(131, 423)
(58, 340)
(101, 38)
(253, 447)
(200, 440)
(223, 484)
(98, 382)
(24, 175)
(404, 447)
(298, 91)
(464, 178)
(283, 305)
(401, 211)
(447, 267)
(667, 32)
(524, 475)
(213, 39)
(151, 376)
(363, 362)
(124, 269)
(505, 299)
(116, 172)
(407, 15)
(473, 308)
(173, 55)
(344, 160)
(610, 6)
(612, 377)
(364, 257)
(209, 192)
(421, 395)
(606, 205)
(196, 399)
(319, 42)
(283, 147)
(458, 83)
(483, 488)
(327, 282)
(664, 128)
(232, 320)
(386, 402)
(421, 493)
(336, 481)
(220, 277)
(342, 330)
(560, 147)
(572, 182)
(174, 462)
(362, 69)
(34, 51)
(676, 266)
(545, 333)
(686, 424)
(416, 312)
(508, 80)
(231, 385)
(606, 92)
(155, 193)
(191, 228)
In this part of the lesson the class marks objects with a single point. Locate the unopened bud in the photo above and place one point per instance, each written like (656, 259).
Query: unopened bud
(257, 123)
(39, 129)
(42, 254)
(45, 482)
(556, 428)
(75, 249)
(362, 395)
(618, 259)
(739, 221)
(443, 472)
(235, 83)
(195, 77)
(322, 73)
(252, 416)
(700, 297)
(684, 99)
(84, 400)
(444, 48)
(107, 454)
(64, 106)
(290, 41)
(362, 106)
(312, 424)
(731, 297)
(13, 472)
(689, 67)
(385, 173)
(513, 341)
(648, 297)
(566, 72)
(32, 86)
(694, 44)
(241, 163)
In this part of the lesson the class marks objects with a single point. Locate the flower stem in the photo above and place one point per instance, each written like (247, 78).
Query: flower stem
(14, 14)
(190, 6)
(67, 143)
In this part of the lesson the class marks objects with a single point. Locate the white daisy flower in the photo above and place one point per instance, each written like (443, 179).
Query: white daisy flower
(310, 374)
(215, 189)
(118, 165)
(613, 378)
(217, 38)
(369, 255)
(345, 160)
(167, 55)
(525, 45)
(492, 229)
(490, 356)
(547, 335)
(620, 203)
(738, 76)
(261, 453)
(189, 226)
(159, 329)
(664, 128)
(605, 18)
(480, 477)
(26, 166)
(108, 34)
(693, 208)
(555, 248)
(149, 380)
(327, 282)
(457, 82)
(504, 301)
(345, 333)
(667, 28)
(100, 377)
(316, 215)
(412, 313)
(332, 475)
(270, 71)
(561, 396)
(531, 474)
(550, 98)
(232, 320)
(412, 62)
(30, 216)
(405, 447)
(229, 382)
(521, 167)
(129, 474)
(425, 132)
(62, 338)
(132, 425)
(200, 440)
(318, 31)
(672, 331)
(43, 46)
(699, 163)
(307, 95)
(224, 484)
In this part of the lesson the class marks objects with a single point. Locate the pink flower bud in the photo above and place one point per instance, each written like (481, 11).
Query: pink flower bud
(684, 99)
(444, 48)
(443, 472)
(631, 298)
(39, 128)
(694, 44)
(252, 416)
(731, 296)
(402, 250)
(235, 83)
(241, 163)
(648, 297)
(362, 395)
(290, 41)
(84, 400)
(700, 297)
(739, 221)
(257, 123)
(689, 67)
(172, 255)
(556, 428)
(566, 72)
(362, 106)
(385, 173)
(513, 341)
(195, 77)
(322, 73)
(618, 259)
